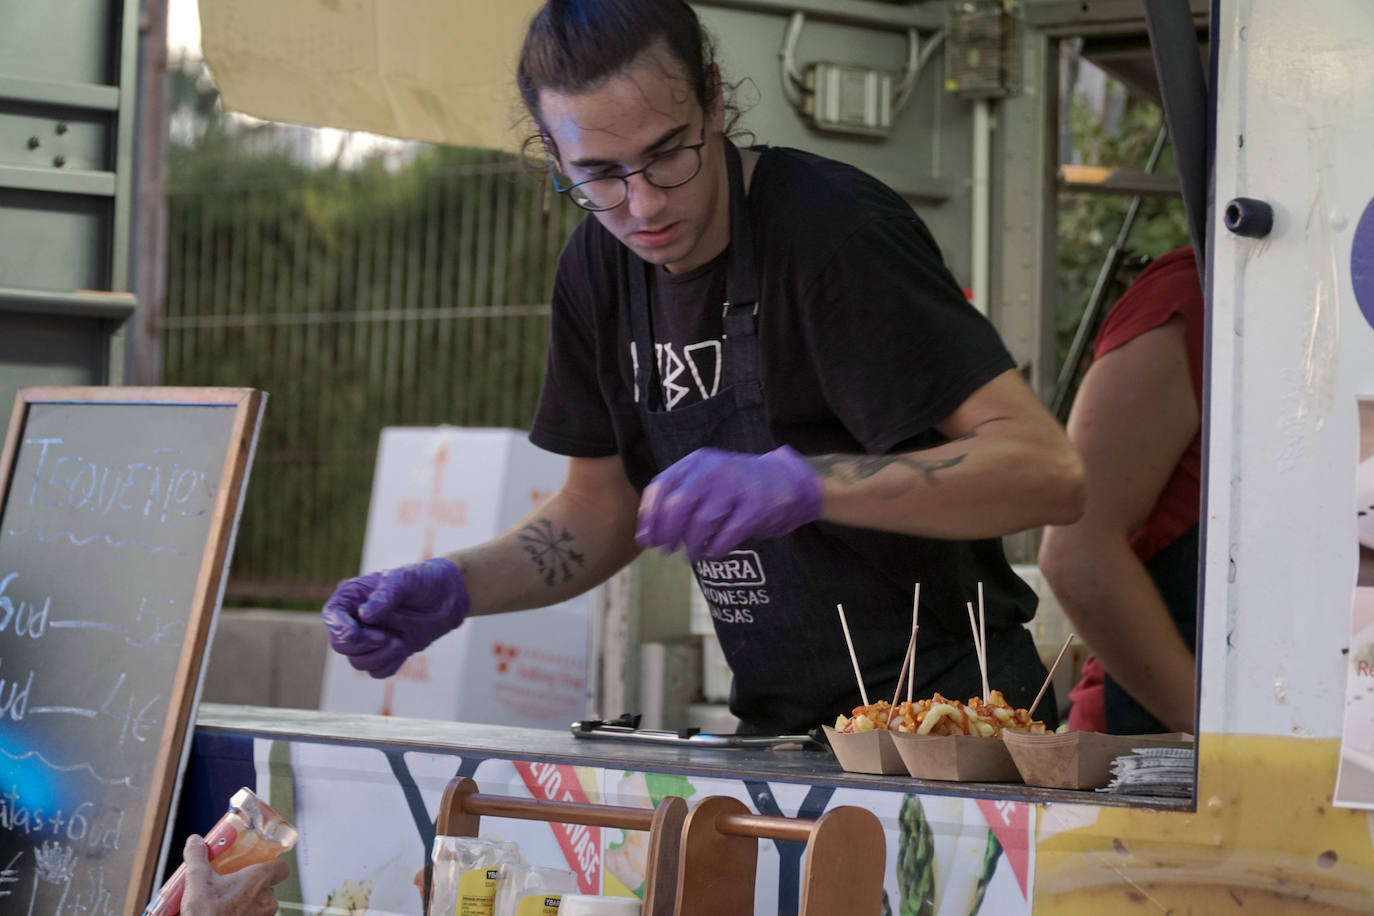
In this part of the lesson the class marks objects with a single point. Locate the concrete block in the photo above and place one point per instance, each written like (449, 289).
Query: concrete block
(266, 658)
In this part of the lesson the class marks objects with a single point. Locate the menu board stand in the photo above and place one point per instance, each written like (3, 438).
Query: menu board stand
(118, 508)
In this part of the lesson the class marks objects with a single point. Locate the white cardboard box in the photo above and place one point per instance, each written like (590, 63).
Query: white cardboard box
(440, 489)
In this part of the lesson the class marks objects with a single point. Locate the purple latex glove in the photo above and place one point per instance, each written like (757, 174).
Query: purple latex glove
(381, 619)
(712, 501)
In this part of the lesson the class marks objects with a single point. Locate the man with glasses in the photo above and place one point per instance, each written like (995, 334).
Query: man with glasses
(758, 357)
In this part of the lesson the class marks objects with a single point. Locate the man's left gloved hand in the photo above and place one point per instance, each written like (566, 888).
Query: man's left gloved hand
(712, 501)
(381, 619)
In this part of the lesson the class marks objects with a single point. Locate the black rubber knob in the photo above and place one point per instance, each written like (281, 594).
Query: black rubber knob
(1249, 217)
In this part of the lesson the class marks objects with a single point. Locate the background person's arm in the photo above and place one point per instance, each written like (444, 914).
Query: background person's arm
(1009, 467)
(574, 540)
(1132, 420)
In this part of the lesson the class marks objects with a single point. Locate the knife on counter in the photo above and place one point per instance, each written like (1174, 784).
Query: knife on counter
(626, 728)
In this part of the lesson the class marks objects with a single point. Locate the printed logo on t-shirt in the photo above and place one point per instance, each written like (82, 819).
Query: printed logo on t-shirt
(733, 586)
(688, 376)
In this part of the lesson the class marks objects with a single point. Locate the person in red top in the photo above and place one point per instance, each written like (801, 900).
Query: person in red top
(1126, 573)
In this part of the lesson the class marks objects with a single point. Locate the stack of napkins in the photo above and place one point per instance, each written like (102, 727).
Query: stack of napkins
(1163, 771)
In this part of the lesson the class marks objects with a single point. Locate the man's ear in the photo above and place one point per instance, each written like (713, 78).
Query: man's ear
(540, 150)
(549, 146)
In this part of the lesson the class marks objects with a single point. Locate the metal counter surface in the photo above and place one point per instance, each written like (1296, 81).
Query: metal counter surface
(798, 766)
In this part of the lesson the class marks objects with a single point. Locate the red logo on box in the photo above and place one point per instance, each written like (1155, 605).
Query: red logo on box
(504, 656)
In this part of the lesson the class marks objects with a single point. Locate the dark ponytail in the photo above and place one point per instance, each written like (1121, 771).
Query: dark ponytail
(575, 45)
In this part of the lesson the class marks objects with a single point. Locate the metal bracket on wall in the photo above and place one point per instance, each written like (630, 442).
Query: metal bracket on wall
(847, 98)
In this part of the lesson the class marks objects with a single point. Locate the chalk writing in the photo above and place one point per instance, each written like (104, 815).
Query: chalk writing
(27, 619)
(9, 874)
(94, 826)
(44, 538)
(107, 780)
(159, 632)
(62, 711)
(134, 725)
(87, 625)
(56, 863)
(99, 902)
(56, 866)
(151, 489)
(17, 702)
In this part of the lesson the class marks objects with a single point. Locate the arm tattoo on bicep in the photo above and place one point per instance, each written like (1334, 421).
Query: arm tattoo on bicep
(551, 553)
(853, 468)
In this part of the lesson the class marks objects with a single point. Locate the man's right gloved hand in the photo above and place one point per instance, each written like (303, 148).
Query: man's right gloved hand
(381, 619)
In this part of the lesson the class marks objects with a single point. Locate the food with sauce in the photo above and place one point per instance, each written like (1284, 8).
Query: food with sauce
(939, 716)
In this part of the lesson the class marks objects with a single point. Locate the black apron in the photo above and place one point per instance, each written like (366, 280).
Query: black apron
(773, 600)
(1174, 572)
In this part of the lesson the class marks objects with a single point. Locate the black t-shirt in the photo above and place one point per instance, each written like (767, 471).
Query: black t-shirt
(866, 341)
(865, 344)
(687, 332)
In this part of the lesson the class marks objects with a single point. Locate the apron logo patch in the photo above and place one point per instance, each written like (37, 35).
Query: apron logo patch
(733, 586)
(739, 569)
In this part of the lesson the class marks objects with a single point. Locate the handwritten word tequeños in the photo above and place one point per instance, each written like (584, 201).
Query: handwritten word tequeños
(153, 489)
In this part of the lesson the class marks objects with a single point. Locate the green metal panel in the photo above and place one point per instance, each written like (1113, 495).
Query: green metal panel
(56, 242)
(68, 81)
(39, 136)
(41, 350)
(74, 41)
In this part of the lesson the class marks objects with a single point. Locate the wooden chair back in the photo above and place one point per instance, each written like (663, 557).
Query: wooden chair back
(462, 808)
(842, 872)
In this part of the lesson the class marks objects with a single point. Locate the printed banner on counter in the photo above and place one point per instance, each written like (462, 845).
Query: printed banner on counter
(1355, 780)
(581, 845)
(366, 817)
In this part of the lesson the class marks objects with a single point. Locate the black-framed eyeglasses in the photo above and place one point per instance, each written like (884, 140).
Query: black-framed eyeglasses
(669, 169)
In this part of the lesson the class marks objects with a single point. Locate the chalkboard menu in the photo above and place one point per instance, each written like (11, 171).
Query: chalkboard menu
(117, 512)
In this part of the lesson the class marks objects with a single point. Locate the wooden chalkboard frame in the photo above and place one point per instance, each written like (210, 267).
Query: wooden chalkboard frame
(209, 589)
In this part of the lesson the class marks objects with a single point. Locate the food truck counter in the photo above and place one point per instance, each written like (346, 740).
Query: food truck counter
(365, 791)
(790, 764)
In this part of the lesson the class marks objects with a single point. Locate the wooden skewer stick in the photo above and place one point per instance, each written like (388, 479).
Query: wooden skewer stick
(983, 643)
(852, 657)
(911, 663)
(977, 647)
(973, 625)
(910, 650)
(1049, 677)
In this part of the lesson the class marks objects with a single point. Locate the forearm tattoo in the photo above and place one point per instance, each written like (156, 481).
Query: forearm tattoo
(853, 468)
(551, 552)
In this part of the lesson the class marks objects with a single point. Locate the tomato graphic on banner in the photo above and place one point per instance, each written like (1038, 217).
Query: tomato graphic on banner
(581, 844)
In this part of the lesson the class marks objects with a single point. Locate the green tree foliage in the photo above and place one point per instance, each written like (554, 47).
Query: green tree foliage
(1089, 223)
(357, 297)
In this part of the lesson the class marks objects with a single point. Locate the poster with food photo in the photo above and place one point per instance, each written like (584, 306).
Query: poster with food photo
(1355, 782)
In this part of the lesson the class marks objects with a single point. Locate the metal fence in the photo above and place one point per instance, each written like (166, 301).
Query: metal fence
(357, 301)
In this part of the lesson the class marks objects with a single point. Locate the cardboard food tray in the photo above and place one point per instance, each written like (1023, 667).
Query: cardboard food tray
(956, 758)
(1077, 760)
(866, 752)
